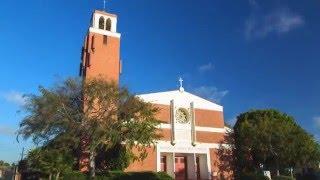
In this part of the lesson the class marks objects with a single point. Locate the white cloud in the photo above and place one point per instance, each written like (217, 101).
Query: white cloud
(279, 21)
(14, 97)
(4, 130)
(210, 93)
(206, 67)
(316, 120)
(253, 3)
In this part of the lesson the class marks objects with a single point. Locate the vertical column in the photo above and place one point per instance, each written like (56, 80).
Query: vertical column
(191, 163)
(170, 164)
(172, 121)
(210, 173)
(205, 172)
(158, 160)
(193, 124)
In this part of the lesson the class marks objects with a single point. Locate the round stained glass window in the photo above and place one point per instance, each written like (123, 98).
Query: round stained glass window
(182, 116)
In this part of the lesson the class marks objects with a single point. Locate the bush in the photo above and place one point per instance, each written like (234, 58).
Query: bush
(75, 175)
(134, 175)
(118, 175)
(282, 178)
(253, 176)
(30, 175)
(164, 176)
(309, 176)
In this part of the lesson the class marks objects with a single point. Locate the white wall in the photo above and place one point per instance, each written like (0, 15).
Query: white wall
(113, 19)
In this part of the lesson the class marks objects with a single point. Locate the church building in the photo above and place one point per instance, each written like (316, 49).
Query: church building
(192, 127)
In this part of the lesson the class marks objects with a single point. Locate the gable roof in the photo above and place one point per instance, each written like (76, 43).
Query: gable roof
(181, 99)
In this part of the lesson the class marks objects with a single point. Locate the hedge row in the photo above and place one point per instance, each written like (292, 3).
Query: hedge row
(253, 176)
(282, 178)
(119, 175)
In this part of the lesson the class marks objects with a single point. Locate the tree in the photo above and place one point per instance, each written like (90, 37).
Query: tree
(50, 161)
(273, 140)
(116, 158)
(3, 163)
(91, 116)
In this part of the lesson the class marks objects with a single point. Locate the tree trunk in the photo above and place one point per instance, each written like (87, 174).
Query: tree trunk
(278, 172)
(57, 175)
(50, 176)
(92, 165)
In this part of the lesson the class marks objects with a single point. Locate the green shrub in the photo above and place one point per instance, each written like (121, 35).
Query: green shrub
(252, 176)
(135, 175)
(282, 178)
(164, 176)
(74, 175)
(308, 176)
(118, 175)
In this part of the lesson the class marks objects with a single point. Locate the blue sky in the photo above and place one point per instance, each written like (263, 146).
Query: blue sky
(245, 54)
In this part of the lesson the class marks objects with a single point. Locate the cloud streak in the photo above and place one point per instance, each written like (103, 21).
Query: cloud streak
(278, 21)
(206, 67)
(7, 131)
(210, 92)
(14, 97)
(317, 121)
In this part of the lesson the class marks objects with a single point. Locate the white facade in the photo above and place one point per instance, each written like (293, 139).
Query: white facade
(183, 134)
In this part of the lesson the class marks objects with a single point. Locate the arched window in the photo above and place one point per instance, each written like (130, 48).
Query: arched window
(101, 22)
(108, 24)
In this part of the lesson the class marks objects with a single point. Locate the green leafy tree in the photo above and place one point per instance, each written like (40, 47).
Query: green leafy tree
(90, 116)
(4, 164)
(272, 140)
(50, 161)
(116, 158)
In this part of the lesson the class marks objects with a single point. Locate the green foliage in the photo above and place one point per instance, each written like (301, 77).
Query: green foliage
(93, 116)
(274, 140)
(49, 161)
(74, 175)
(4, 164)
(252, 176)
(282, 178)
(115, 158)
(164, 176)
(119, 175)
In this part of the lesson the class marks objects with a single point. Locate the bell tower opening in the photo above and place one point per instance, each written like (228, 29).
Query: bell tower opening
(101, 49)
(101, 22)
(108, 24)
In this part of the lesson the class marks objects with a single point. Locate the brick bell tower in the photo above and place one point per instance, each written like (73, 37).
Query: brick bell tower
(100, 55)
(100, 58)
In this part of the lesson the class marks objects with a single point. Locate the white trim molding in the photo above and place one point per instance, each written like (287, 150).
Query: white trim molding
(181, 99)
(181, 147)
(103, 32)
(197, 128)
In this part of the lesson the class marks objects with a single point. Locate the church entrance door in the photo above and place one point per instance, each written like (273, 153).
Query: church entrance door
(180, 167)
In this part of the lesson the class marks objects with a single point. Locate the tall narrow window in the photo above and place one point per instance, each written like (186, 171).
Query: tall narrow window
(105, 39)
(108, 24)
(163, 164)
(101, 22)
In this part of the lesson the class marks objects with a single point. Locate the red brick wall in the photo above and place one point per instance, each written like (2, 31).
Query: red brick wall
(218, 166)
(164, 113)
(209, 137)
(208, 118)
(148, 164)
(204, 118)
(101, 57)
